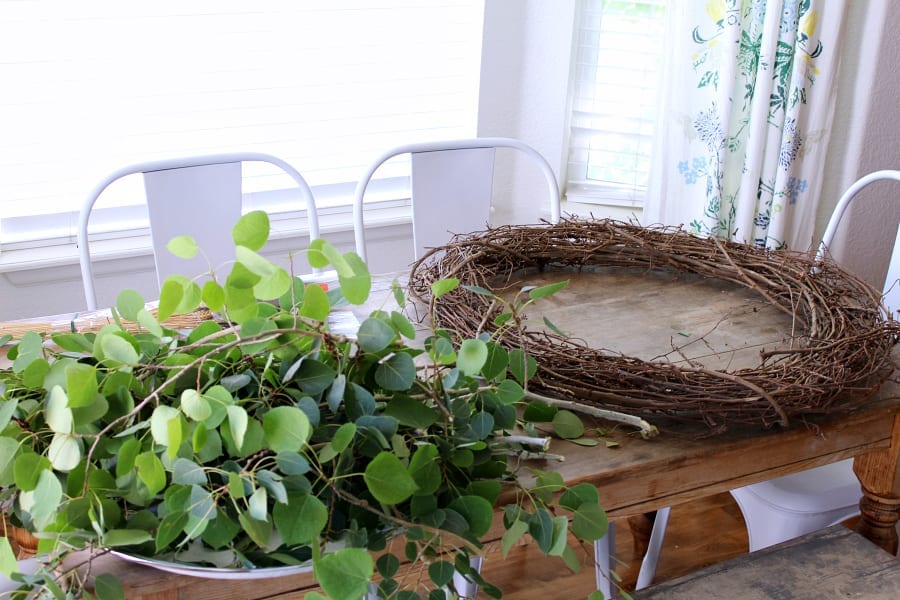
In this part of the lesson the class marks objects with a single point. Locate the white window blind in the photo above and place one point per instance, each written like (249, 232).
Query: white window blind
(94, 85)
(617, 68)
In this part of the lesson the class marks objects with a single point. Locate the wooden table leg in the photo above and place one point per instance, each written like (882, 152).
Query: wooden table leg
(641, 527)
(879, 474)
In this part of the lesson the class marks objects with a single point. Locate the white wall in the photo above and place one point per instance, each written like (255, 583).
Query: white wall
(865, 138)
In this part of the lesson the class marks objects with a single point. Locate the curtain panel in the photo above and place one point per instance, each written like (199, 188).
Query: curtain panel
(748, 104)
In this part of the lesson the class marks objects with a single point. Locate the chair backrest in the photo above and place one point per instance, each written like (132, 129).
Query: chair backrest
(452, 184)
(198, 196)
(891, 285)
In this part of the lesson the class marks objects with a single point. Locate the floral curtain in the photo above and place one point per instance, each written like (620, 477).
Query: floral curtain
(748, 103)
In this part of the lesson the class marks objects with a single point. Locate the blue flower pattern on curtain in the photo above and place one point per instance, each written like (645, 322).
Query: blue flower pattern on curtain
(737, 151)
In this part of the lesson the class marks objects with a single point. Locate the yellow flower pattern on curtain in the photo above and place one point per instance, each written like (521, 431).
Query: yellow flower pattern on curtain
(753, 95)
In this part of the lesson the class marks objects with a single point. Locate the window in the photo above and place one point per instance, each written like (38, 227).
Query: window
(617, 68)
(327, 86)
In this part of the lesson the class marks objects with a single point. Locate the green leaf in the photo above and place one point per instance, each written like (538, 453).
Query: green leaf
(273, 286)
(44, 501)
(213, 296)
(387, 565)
(539, 412)
(587, 442)
(301, 520)
(315, 254)
(182, 246)
(125, 537)
(129, 303)
(57, 413)
(579, 494)
(473, 355)
(522, 366)
(128, 451)
(403, 325)
(8, 563)
(509, 392)
(195, 406)
(159, 423)
(547, 290)
(30, 348)
(35, 373)
(397, 373)
(425, 469)
(387, 479)
(357, 285)
(292, 463)
(547, 483)
(343, 436)
(481, 291)
(398, 293)
(187, 472)
(560, 535)
(315, 305)
(512, 535)
(477, 511)
(81, 379)
(118, 351)
(496, 362)
(251, 230)
(314, 377)
(107, 587)
(482, 425)
(64, 452)
(149, 322)
(254, 262)
(541, 529)
(150, 470)
(411, 412)
(573, 561)
(441, 572)
(8, 449)
(257, 504)
(590, 522)
(237, 424)
(178, 295)
(554, 328)
(287, 429)
(345, 574)
(27, 470)
(444, 286)
(374, 335)
(220, 531)
(170, 528)
(259, 531)
(567, 425)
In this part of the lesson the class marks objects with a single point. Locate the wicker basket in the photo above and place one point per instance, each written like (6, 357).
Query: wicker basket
(23, 543)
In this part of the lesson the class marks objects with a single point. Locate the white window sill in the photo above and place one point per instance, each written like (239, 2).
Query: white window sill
(332, 220)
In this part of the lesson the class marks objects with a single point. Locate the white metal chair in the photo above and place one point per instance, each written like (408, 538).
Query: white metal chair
(451, 187)
(199, 196)
(785, 507)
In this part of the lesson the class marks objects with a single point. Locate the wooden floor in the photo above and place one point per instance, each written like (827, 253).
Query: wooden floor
(700, 533)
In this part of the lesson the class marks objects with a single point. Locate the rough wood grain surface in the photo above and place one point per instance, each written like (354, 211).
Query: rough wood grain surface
(831, 563)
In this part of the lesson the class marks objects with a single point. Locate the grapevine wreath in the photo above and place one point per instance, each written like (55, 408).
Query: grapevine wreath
(842, 356)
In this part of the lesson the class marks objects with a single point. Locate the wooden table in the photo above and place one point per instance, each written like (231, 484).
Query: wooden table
(681, 464)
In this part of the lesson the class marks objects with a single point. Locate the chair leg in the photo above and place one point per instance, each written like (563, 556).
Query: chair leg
(654, 549)
(465, 587)
(604, 553)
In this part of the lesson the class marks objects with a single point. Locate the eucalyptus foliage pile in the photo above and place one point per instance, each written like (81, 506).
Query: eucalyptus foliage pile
(262, 439)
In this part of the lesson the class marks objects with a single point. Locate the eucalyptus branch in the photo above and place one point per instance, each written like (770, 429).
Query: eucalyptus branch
(647, 430)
